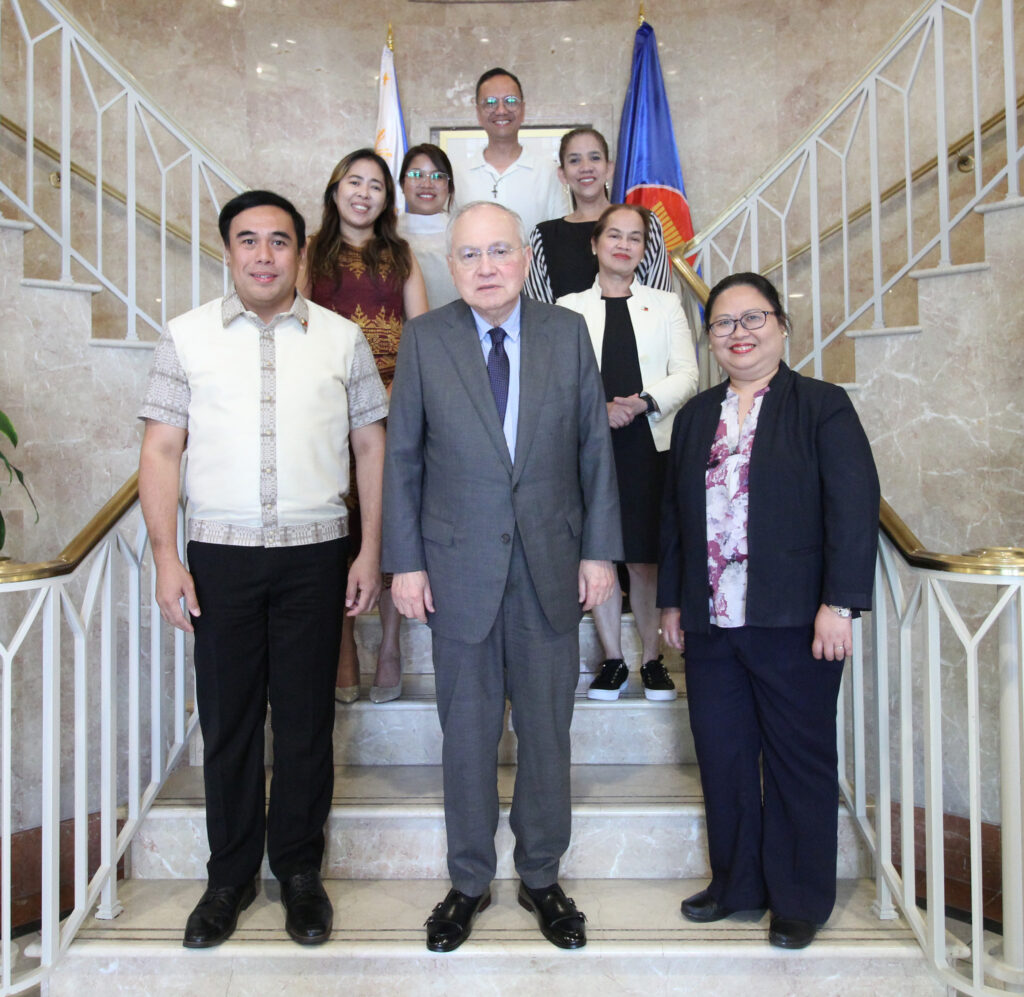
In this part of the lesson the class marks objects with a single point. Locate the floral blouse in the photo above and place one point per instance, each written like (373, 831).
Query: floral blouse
(727, 481)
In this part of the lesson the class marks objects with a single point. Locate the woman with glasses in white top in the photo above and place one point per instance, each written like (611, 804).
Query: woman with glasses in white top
(429, 189)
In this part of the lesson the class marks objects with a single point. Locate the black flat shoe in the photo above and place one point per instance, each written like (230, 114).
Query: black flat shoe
(560, 922)
(703, 908)
(214, 918)
(791, 932)
(451, 921)
(309, 915)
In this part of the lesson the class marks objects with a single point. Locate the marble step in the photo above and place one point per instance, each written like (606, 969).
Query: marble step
(414, 639)
(638, 944)
(387, 822)
(629, 731)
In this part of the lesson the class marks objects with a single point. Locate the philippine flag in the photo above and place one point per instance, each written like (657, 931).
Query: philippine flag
(390, 143)
(647, 170)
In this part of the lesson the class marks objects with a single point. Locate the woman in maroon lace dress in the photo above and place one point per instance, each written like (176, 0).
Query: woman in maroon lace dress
(358, 266)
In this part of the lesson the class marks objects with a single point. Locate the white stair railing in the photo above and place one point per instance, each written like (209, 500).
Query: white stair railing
(950, 68)
(84, 658)
(940, 624)
(75, 645)
(64, 96)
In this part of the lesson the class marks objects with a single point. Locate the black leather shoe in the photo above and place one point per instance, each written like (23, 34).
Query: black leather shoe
(702, 908)
(309, 915)
(791, 932)
(216, 914)
(560, 922)
(451, 921)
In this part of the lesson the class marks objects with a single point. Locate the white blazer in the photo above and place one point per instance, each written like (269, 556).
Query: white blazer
(664, 344)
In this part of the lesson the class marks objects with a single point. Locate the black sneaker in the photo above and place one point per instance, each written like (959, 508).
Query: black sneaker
(611, 681)
(657, 685)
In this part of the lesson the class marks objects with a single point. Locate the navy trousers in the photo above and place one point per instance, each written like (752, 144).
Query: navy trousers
(269, 629)
(763, 714)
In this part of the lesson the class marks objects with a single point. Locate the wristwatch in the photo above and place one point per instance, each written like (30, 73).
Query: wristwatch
(844, 611)
(652, 405)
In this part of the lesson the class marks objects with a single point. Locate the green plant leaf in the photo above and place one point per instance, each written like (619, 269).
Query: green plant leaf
(7, 428)
(21, 478)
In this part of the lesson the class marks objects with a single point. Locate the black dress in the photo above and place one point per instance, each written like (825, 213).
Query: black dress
(571, 263)
(639, 467)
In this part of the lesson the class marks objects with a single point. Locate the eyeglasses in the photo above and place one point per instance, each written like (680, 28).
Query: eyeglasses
(421, 175)
(499, 255)
(511, 102)
(750, 321)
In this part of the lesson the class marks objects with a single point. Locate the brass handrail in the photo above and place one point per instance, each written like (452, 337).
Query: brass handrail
(83, 544)
(890, 192)
(693, 280)
(983, 561)
(909, 25)
(112, 192)
(987, 561)
(1007, 561)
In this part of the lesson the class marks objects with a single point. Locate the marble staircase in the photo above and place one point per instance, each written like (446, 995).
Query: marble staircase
(940, 400)
(638, 848)
(638, 844)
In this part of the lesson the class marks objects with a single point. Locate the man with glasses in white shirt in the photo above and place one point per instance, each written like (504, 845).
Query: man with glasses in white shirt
(503, 172)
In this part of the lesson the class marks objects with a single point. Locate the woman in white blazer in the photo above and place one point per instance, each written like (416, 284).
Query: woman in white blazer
(645, 351)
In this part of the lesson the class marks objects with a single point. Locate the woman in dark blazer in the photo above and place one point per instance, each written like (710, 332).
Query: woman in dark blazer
(769, 532)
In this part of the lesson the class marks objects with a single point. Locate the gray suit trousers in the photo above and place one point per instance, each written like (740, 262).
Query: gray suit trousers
(524, 659)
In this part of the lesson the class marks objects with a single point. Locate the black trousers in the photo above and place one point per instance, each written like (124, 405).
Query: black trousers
(269, 629)
(763, 714)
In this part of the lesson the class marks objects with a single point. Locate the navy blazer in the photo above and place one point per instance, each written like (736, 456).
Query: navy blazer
(813, 515)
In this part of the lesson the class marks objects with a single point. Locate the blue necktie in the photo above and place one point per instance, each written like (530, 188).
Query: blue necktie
(497, 371)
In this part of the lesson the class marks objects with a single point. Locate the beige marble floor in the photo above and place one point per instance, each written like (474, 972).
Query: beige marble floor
(372, 913)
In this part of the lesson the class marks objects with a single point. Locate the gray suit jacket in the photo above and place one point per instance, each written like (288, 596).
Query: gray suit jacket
(452, 497)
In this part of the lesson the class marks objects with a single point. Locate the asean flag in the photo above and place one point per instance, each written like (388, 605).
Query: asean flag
(647, 170)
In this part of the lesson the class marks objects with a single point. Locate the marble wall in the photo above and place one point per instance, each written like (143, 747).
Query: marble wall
(279, 92)
(942, 410)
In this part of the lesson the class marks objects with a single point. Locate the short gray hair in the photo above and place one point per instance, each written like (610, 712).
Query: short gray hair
(524, 237)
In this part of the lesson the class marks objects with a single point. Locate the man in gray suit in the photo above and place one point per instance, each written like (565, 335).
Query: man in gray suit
(501, 522)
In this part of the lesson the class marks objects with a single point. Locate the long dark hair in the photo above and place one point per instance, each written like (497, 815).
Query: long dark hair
(385, 246)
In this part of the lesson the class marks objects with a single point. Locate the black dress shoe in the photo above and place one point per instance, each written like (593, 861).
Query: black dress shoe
(702, 908)
(560, 922)
(216, 914)
(451, 921)
(309, 915)
(791, 932)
